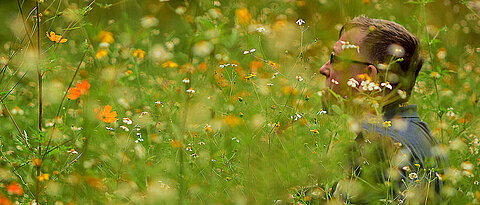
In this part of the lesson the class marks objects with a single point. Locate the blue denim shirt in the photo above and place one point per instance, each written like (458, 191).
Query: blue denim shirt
(413, 133)
(415, 137)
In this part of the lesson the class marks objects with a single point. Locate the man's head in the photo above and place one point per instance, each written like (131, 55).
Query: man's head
(384, 50)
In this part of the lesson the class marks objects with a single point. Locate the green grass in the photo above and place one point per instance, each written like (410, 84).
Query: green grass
(235, 140)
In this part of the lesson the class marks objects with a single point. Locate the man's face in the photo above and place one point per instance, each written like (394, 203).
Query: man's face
(342, 69)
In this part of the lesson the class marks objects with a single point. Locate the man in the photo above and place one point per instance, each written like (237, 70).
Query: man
(373, 66)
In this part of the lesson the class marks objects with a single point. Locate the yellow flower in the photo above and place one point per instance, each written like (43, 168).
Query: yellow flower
(43, 177)
(101, 53)
(315, 131)
(169, 64)
(105, 37)
(435, 75)
(387, 123)
(139, 53)
(364, 76)
(56, 38)
(243, 16)
(251, 75)
(270, 63)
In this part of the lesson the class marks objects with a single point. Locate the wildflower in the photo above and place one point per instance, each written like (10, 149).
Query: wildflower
(139, 53)
(208, 128)
(101, 53)
(176, 144)
(387, 85)
(202, 48)
(334, 82)
(72, 151)
(373, 86)
(189, 148)
(148, 21)
(272, 64)
(232, 120)
(402, 94)
(106, 115)
(56, 38)
(105, 37)
(417, 165)
(43, 177)
(124, 128)
(296, 117)
(17, 110)
(201, 143)
(467, 165)
(347, 45)
(435, 75)
(140, 139)
(413, 175)
(352, 82)
(243, 16)
(396, 50)
(127, 121)
(364, 76)
(4, 200)
(235, 139)
(186, 80)
(169, 64)
(37, 162)
(300, 22)
(321, 112)
(450, 112)
(406, 168)
(315, 131)
(191, 90)
(249, 51)
(109, 128)
(261, 29)
(275, 125)
(387, 123)
(14, 188)
(274, 74)
(299, 78)
(194, 155)
(251, 75)
(80, 89)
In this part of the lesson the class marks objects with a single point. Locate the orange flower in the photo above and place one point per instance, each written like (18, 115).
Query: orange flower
(243, 16)
(4, 201)
(176, 144)
(14, 188)
(105, 37)
(81, 89)
(106, 115)
(56, 38)
(169, 64)
(101, 53)
(139, 53)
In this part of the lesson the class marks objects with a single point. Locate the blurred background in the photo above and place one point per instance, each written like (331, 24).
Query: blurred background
(215, 101)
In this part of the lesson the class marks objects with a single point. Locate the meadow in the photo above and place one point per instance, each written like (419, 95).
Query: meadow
(211, 102)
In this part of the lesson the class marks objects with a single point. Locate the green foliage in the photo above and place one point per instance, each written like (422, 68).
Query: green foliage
(201, 118)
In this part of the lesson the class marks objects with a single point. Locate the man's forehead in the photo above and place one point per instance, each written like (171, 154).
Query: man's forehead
(353, 36)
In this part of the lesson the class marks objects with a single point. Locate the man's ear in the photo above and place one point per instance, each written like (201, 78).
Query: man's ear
(372, 72)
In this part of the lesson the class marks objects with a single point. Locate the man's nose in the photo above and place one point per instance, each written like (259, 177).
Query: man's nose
(325, 69)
